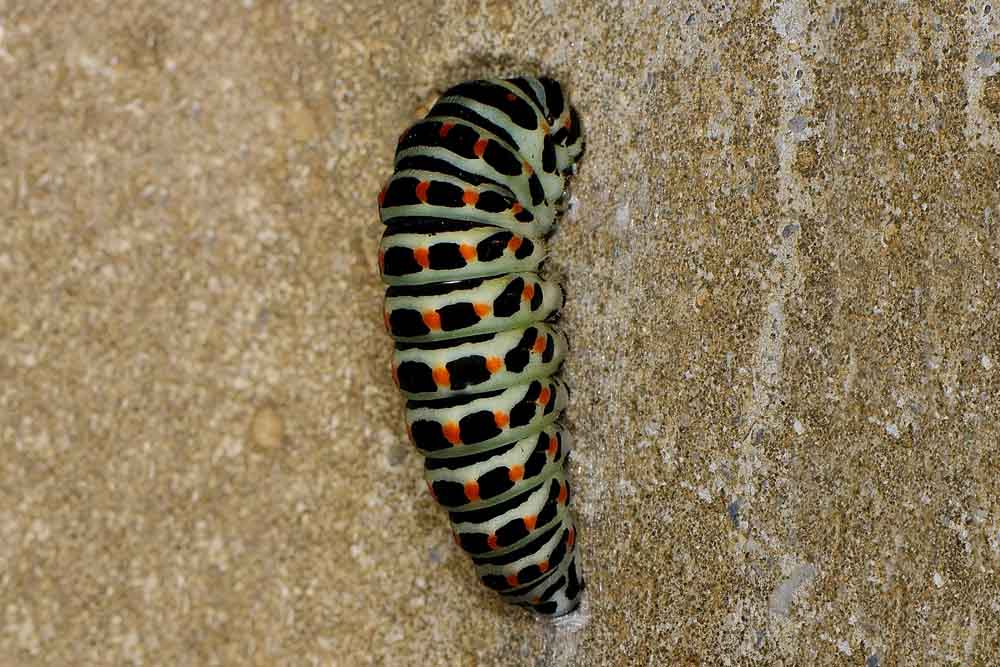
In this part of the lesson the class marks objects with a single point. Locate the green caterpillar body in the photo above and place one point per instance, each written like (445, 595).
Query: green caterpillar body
(476, 188)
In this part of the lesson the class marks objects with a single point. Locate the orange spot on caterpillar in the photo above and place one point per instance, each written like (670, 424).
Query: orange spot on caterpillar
(481, 309)
(546, 128)
(540, 344)
(528, 292)
(529, 522)
(480, 147)
(468, 252)
(385, 320)
(563, 493)
(569, 121)
(455, 538)
(501, 419)
(516, 473)
(451, 433)
(381, 262)
(491, 541)
(432, 320)
(512, 580)
(543, 397)
(423, 257)
(528, 170)
(536, 600)
(571, 538)
(381, 196)
(395, 374)
(472, 490)
(430, 489)
(445, 129)
(516, 208)
(511, 97)
(422, 191)
(409, 434)
(470, 197)
(543, 566)
(553, 445)
(441, 376)
(493, 364)
(514, 243)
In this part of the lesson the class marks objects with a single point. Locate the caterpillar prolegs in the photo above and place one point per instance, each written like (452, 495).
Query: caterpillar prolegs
(475, 191)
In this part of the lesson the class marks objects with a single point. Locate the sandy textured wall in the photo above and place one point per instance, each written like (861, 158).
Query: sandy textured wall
(782, 265)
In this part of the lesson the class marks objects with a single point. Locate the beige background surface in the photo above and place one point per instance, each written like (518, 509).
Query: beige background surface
(782, 266)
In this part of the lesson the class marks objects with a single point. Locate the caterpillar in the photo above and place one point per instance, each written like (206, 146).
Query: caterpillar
(475, 190)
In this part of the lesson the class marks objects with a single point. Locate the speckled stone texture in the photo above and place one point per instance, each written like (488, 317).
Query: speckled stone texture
(782, 265)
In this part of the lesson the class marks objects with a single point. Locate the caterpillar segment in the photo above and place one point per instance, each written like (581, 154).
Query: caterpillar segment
(477, 186)
(478, 363)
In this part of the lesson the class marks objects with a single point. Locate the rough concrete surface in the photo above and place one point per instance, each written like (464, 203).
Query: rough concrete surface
(782, 265)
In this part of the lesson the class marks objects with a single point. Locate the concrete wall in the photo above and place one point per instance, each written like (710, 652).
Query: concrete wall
(782, 267)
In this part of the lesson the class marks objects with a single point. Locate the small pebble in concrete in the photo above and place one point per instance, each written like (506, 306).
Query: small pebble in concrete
(267, 428)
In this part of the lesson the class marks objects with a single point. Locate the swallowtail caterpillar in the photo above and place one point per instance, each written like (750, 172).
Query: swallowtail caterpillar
(476, 189)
